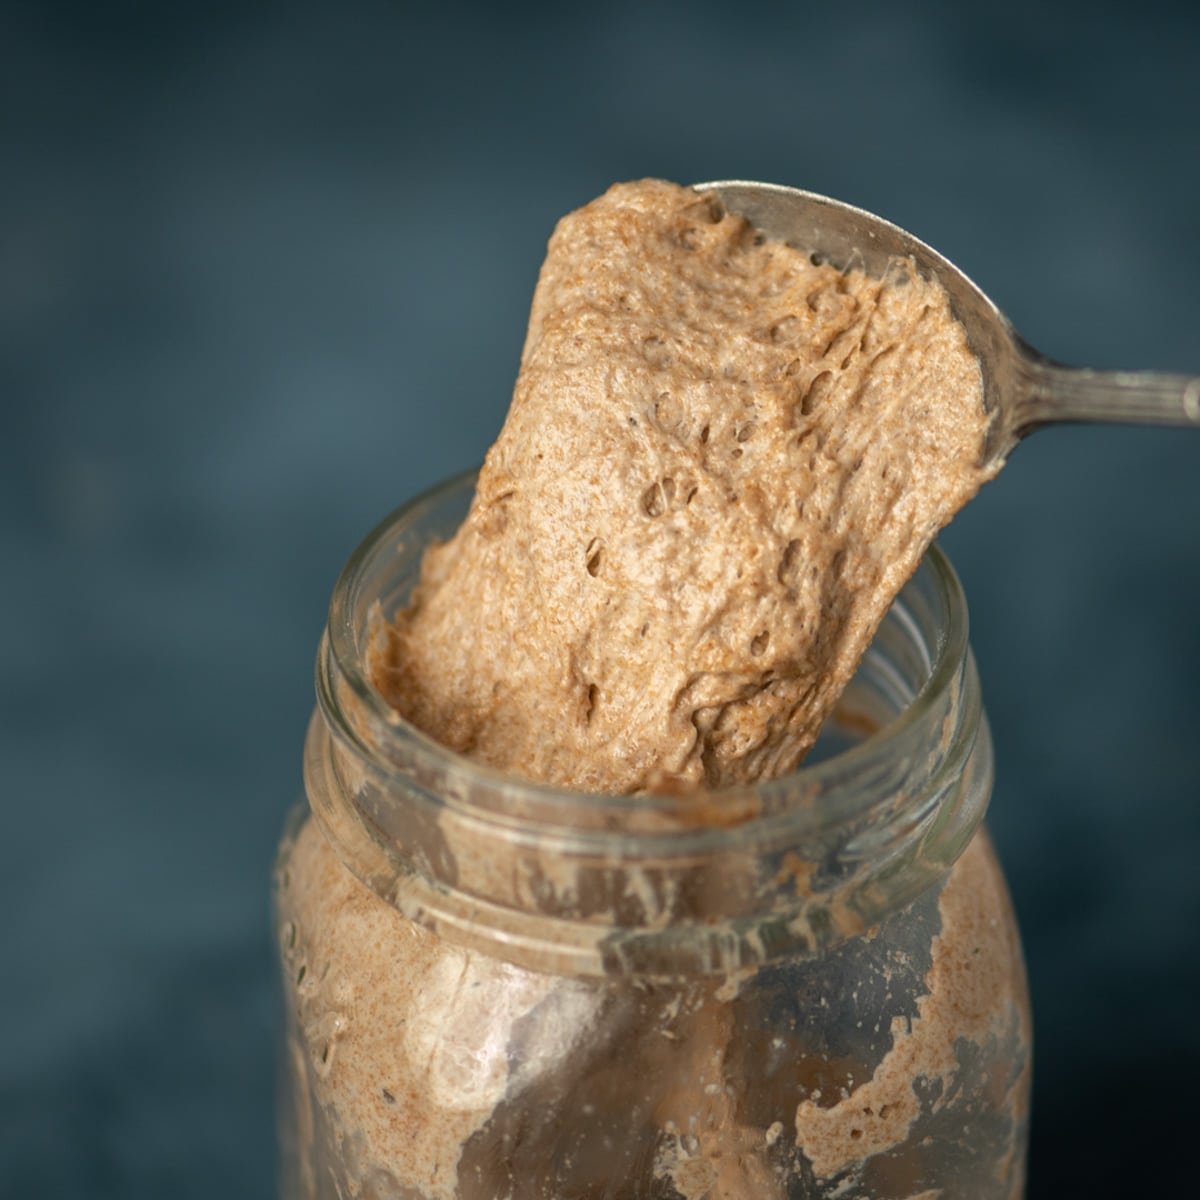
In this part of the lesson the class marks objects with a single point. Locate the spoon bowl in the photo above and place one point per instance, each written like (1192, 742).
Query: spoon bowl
(1022, 389)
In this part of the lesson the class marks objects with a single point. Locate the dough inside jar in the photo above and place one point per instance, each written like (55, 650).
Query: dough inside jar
(721, 463)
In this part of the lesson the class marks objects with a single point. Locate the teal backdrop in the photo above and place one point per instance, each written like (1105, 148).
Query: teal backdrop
(264, 274)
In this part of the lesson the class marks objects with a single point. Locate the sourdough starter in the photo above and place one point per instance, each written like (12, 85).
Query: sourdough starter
(721, 463)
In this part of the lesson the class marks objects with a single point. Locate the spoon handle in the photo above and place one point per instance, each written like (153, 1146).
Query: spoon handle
(1054, 393)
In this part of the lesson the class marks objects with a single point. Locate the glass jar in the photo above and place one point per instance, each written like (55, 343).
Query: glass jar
(809, 988)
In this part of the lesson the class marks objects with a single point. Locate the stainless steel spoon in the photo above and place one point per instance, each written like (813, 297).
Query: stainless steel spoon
(1022, 388)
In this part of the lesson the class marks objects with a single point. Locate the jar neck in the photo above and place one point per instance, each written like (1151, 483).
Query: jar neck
(653, 885)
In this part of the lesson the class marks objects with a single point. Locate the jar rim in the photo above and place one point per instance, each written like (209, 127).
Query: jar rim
(828, 778)
(648, 884)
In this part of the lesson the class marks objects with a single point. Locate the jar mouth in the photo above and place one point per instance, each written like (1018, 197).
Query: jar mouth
(930, 612)
(647, 884)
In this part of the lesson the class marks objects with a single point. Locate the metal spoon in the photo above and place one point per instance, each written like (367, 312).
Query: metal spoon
(1022, 388)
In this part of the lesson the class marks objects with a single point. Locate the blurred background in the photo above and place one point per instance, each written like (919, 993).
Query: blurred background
(264, 274)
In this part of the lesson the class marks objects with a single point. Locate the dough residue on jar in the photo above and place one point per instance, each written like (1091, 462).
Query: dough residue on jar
(721, 463)
(976, 988)
(427, 1069)
(395, 1031)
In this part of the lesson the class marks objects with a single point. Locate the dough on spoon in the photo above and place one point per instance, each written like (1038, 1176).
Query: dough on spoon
(721, 463)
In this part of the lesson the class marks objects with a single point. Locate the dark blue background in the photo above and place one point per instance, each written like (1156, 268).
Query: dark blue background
(264, 273)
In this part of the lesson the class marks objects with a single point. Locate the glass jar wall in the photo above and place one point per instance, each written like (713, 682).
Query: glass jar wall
(810, 988)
